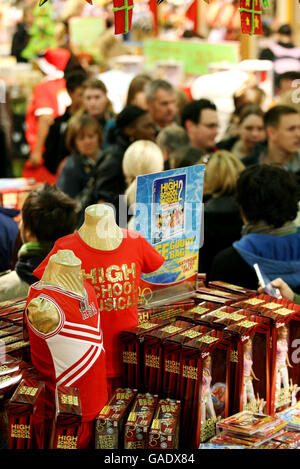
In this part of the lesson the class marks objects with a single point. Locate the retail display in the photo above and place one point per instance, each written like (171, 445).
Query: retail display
(113, 260)
(187, 382)
(66, 340)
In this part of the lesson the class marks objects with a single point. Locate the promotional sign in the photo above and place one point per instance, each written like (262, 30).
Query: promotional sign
(84, 34)
(195, 56)
(168, 214)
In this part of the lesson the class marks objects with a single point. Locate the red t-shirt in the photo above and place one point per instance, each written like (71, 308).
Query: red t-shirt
(115, 276)
(72, 354)
(50, 97)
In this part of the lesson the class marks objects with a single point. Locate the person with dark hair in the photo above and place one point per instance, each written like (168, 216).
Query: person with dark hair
(200, 120)
(169, 139)
(268, 199)
(185, 155)
(282, 125)
(47, 215)
(107, 181)
(285, 82)
(55, 145)
(283, 53)
(250, 131)
(84, 140)
(161, 101)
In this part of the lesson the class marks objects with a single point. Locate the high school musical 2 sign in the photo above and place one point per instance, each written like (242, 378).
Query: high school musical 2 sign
(168, 213)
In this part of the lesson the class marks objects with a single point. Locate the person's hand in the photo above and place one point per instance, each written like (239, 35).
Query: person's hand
(285, 290)
(35, 158)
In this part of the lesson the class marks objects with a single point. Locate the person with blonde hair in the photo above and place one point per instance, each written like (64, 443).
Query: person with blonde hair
(221, 213)
(141, 157)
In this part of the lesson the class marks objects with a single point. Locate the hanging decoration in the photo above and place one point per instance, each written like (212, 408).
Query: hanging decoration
(123, 15)
(250, 11)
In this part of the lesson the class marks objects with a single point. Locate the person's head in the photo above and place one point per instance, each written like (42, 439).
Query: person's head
(282, 125)
(141, 157)
(171, 138)
(84, 135)
(74, 85)
(47, 215)
(251, 128)
(135, 123)
(285, 82)
(222, 170)
(136, 91)
(267, 193)
(247, 94)
(285, 34)
(185, 155)
(28, 17)
(161, 101)
(200, 119)
(95, 98)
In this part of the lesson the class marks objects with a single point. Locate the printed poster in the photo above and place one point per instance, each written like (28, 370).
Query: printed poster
(168, 214)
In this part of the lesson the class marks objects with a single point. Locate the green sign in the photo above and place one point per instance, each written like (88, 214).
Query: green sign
(195, 56)
(84, 33)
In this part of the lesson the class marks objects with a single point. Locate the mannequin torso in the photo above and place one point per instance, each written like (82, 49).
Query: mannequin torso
(99, 229)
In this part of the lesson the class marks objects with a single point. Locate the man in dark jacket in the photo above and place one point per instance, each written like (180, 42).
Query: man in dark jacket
(282, 124)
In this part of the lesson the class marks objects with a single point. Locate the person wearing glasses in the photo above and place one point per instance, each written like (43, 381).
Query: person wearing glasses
(201, 122)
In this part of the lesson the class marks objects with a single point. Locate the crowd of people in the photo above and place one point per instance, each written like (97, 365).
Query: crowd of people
(84, 153)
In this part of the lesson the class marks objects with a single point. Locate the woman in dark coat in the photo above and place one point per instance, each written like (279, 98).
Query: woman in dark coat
(222, 220)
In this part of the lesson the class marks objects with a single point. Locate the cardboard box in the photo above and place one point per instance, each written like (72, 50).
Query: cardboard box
(139, 421)
(164, 432)
(67, 418)
(132, 353)
(153, 353)
(26, 423)
(172, 362)
(111, 420)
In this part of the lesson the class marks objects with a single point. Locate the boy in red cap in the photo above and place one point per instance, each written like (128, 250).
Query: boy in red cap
(50, 99)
